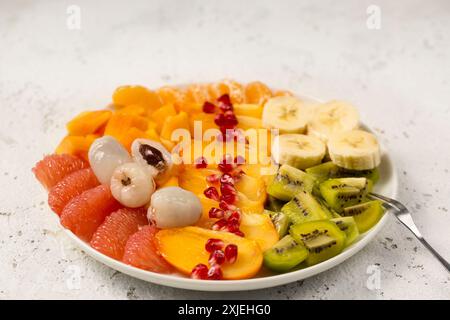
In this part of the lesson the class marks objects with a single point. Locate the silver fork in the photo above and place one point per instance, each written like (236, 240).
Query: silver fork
(405, 218)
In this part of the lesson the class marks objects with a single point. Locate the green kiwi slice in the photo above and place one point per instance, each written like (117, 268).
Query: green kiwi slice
(328, 170)
(344, 192)
(304, 207)
(288, 182)
(273, 204)
(366, 214)
(322, 238)
(280, 221)
(285, 255)
(348, 225)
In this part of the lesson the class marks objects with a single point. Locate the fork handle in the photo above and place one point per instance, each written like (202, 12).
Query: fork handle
(409, 223)
(434, 252)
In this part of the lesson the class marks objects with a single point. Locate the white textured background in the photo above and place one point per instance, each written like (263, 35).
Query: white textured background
(398, 77)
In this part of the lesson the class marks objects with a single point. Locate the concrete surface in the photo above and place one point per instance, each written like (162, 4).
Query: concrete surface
(397, 75)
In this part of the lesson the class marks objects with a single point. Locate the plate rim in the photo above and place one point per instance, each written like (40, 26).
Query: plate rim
(179, 282)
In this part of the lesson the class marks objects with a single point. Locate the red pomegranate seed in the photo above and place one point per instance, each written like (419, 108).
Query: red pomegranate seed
(239, 160)
(213, 178)
(219, 120)
(216, 257)
(239, 233)
(232, 226)
(216, 213)
(230, 119)
(226, 164)
(201, 163)
(226, 178)
(223, 136)
(225, 102)
(208, 107)
(231, 252)
(215, 273)
(227, 188)
(235, 216)
(211, 193)
(213, 244)
(200, 271)
(226, 206)
(219, 225)
(229, 198)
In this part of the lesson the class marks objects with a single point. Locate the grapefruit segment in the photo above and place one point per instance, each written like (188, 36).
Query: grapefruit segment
(141, 251)
(86, 212)
(53, 168)
(70, 187)
(112, 235)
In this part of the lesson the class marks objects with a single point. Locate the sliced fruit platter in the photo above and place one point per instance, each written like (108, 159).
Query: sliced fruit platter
(220, 181)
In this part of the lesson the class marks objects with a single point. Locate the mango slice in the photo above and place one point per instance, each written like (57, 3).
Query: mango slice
(88, 122)
(128, 95)
(259, 227)
(168, 241)
(76, 145)
(249, 110)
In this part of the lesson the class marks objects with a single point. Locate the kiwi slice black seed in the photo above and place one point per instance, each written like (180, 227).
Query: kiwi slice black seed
(280, 221)
(366, 214)
(273, 204)
(285, 255)
(304, 207)
(344, 192)
(288, 182)
(328, 170)
(348, 225)
(322, 238)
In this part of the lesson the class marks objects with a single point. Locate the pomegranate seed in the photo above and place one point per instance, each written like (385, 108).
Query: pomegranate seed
(226, 206)
(216, 213)
(232, 226)
(219, 120)
(239, 160)
(215, 273)
(211, 193)
(216, 257)
(223, 136)
(235, 216)
(219, 225)
(213, 178)
(229, 198)
(201, 163)
(225, 102)
(227, 188)
(200, 271)
(230, 119)
(231, 252)
(239, 233)
(213, 244)
(226, 178)
(226, 164)
(208, 107)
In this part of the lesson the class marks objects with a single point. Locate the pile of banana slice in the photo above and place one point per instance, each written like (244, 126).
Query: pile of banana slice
(308, 134)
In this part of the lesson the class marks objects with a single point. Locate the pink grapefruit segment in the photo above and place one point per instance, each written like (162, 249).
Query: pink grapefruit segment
(141, 251)
(86, 212)
(70, 187)
(111, 237)
(53, 168)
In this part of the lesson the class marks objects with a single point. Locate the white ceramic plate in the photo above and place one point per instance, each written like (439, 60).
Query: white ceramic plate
(386, 186)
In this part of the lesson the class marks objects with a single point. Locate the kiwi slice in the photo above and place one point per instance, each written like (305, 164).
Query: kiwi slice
(273, 204)
(348, 225)
(329, 170)
(322, 238)
(366, 214)
(288, 182)
(280, 221)
(330, 212)
(344, 192)
(285, 255)
(304, 207)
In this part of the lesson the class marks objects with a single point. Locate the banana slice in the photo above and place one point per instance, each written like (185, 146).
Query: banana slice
(298, 150)
(287, 114)
(356, 150)
(331, 118)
